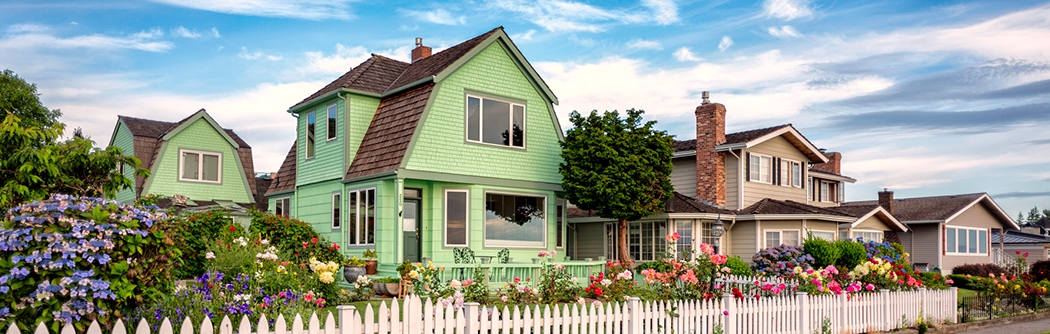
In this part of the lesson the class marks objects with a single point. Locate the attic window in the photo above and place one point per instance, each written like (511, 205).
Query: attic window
(198, 166)
(331, 126)
(495, 122)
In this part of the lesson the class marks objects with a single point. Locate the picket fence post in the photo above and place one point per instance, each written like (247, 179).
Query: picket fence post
(471, 313)
(729, 305)
(922, 305)
(803, 311)
(885, 318)
(954, 313)
(346, 315)
(634, 314)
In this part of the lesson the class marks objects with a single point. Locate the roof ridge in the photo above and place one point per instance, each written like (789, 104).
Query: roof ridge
(761, 129)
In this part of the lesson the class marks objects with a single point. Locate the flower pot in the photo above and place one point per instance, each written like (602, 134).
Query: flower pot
(379, 288)
(351, 273)
(393, 289)
(370, 267)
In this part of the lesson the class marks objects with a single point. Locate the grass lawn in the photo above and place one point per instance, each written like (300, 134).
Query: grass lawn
(966, 293)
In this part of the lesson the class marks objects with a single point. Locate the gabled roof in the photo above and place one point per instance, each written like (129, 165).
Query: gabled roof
(940, 208)
(285, 179)
(678, 203)
(148, 135)
(381, 76)
(769, 206)
(863, 212)
(390, 132)
(750, 138)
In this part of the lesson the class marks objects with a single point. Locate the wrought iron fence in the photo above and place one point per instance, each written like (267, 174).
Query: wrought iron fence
(997, 306)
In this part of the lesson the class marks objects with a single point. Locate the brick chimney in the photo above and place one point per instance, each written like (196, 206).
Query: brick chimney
(710, 165)
(886, 200)
(421, 51)
(835, 161)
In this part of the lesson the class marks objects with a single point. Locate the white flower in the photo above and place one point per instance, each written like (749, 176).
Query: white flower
(606, 282)
(503, 298)
(579, 300)
(455, 284)
(264, 242)
(209, 255)
(362, 279)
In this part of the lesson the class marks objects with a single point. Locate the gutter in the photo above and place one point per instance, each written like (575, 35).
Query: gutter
(294, 110)
(382, 175)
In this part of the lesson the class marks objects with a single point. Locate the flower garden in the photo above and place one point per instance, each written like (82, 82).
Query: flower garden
(75, 260)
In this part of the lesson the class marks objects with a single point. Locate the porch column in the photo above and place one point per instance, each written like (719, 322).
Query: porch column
(399, 222)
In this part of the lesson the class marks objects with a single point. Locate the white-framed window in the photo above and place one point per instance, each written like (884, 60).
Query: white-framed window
(515, 220)
(331, 127)
(796, 174)
(782, 237)
(761, 168)
(684, 247)
(866, 235)
(966, 241)
(495, 122)
(120, 168)
(825, 189)
(200, 166)
(790, 173)
(645, 240)
(311, 127)
(361, 216)
(843, 234)
(457, 209)
(809, 191)
(337, 210)
(282, 207)
(826, 235)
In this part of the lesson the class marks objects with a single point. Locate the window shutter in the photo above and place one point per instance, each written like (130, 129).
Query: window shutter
(776, 171)
(747, 172)
(988, 240)
(944, 240)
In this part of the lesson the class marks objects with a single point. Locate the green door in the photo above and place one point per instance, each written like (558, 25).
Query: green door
(411, 230)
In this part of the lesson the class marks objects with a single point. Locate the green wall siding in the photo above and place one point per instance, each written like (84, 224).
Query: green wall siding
(125, 141)
(362, 108)
(327, 162)
(315, 207)
(199, 136)
(441, 145)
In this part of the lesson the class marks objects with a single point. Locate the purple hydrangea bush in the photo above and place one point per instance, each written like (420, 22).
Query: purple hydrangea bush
(73, 260)
(780, 261)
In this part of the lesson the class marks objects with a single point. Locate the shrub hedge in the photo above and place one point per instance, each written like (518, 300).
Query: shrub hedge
(294, 236)
(1040, 270)
(824, 252)
(851, 254)
(979, 269)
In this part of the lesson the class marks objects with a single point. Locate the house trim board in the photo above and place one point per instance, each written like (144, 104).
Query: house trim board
(419, 125)
(322, 98)
(813, 151)
(452, 178)
(516, 55)
(794, 217)
(153, 169)
(832, 177)
(998, 210)
(758, 236)
(198, 115)
(904, 228)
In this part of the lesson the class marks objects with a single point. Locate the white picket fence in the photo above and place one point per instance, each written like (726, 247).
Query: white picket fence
(800, 313)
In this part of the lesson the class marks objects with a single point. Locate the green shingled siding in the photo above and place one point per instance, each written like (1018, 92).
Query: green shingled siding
(327, 163)
(315, 207)
(362, 108)
(441, 145)
(199, 136)
(125, 141)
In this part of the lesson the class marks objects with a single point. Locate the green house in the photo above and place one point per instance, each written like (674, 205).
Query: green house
(194, 163)
(458, 149)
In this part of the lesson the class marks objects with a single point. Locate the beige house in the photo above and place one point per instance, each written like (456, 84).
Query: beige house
(945, 231)
(769, 186)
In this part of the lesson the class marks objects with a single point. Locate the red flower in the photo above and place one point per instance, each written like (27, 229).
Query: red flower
(234, 229)
(314, 240)
(304, 245)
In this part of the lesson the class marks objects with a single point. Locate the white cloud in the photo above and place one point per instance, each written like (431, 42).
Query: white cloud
(725, 43)
(684, 54)
(570, 16)
(215, 33)
(527, 36)
(664, 11)
(787, 9)
(34, 37)
(645, 44)
(298, 9)
(181, 31)
(346, 58)
(784, 31)
(438, 16)
(257, 55)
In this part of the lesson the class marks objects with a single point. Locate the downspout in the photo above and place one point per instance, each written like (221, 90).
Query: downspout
(342, 191)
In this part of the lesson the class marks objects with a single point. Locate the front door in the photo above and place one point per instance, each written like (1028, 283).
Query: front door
(411, 230)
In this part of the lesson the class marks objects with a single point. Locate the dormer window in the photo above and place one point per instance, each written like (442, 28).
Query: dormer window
(197, 166)
(495, 122)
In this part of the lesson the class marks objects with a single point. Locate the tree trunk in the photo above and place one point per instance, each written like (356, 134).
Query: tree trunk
(621, 243)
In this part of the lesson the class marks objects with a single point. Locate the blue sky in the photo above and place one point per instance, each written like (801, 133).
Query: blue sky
(924, 98)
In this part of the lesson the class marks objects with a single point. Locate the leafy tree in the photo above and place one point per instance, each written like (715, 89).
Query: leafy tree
(617, 167)
(35, 163)
(1020, 219)
(1034, 215)
(1046, 213)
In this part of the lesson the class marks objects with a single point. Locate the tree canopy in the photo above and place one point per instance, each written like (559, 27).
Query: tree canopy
(618, 167)
(36, 163)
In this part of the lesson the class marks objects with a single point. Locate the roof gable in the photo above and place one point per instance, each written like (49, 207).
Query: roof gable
(751, 138)
(200, 114)
(285, 179)
(941, 208)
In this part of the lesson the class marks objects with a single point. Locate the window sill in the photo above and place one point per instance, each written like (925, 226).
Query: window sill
(200, 181)
(967, 254)
(481, 143)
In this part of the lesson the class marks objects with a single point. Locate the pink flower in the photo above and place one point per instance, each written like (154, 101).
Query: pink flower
(673, 237)
(1025, 254)
(543, 254)
(1017, 252)
(870, 287)
(719, 259)
(707, 249)
(725, 313)
(949, 281)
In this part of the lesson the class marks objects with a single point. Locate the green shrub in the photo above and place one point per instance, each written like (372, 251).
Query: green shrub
(294, 236)
(660, 266)
(195, 233)
(851, 254)
(69, 254)
(824, 252)
(738, 266)
(961, 281)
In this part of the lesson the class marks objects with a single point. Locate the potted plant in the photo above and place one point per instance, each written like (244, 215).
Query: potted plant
(370, 261)
(388, 285)
(352, 268)
(405, 268)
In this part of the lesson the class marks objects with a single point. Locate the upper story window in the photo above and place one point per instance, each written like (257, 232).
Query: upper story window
(200, 166)
(311, 121)
(761, 168)
(495, 122)
(782, 237)
(333, 112)
(796, 174)
(282, 207)
(790, 173)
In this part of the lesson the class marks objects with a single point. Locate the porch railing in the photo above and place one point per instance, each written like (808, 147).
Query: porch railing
(506, 272)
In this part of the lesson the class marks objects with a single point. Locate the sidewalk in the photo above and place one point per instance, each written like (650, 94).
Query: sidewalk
(1030, 327)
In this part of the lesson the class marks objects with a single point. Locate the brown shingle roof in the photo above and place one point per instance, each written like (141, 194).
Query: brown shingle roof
(390, 132)
(769, 206)
(147, 135)
(856, 210)
(285, 179)
(381, 74)
(678, 203)
(925, 208)
(731, 138)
